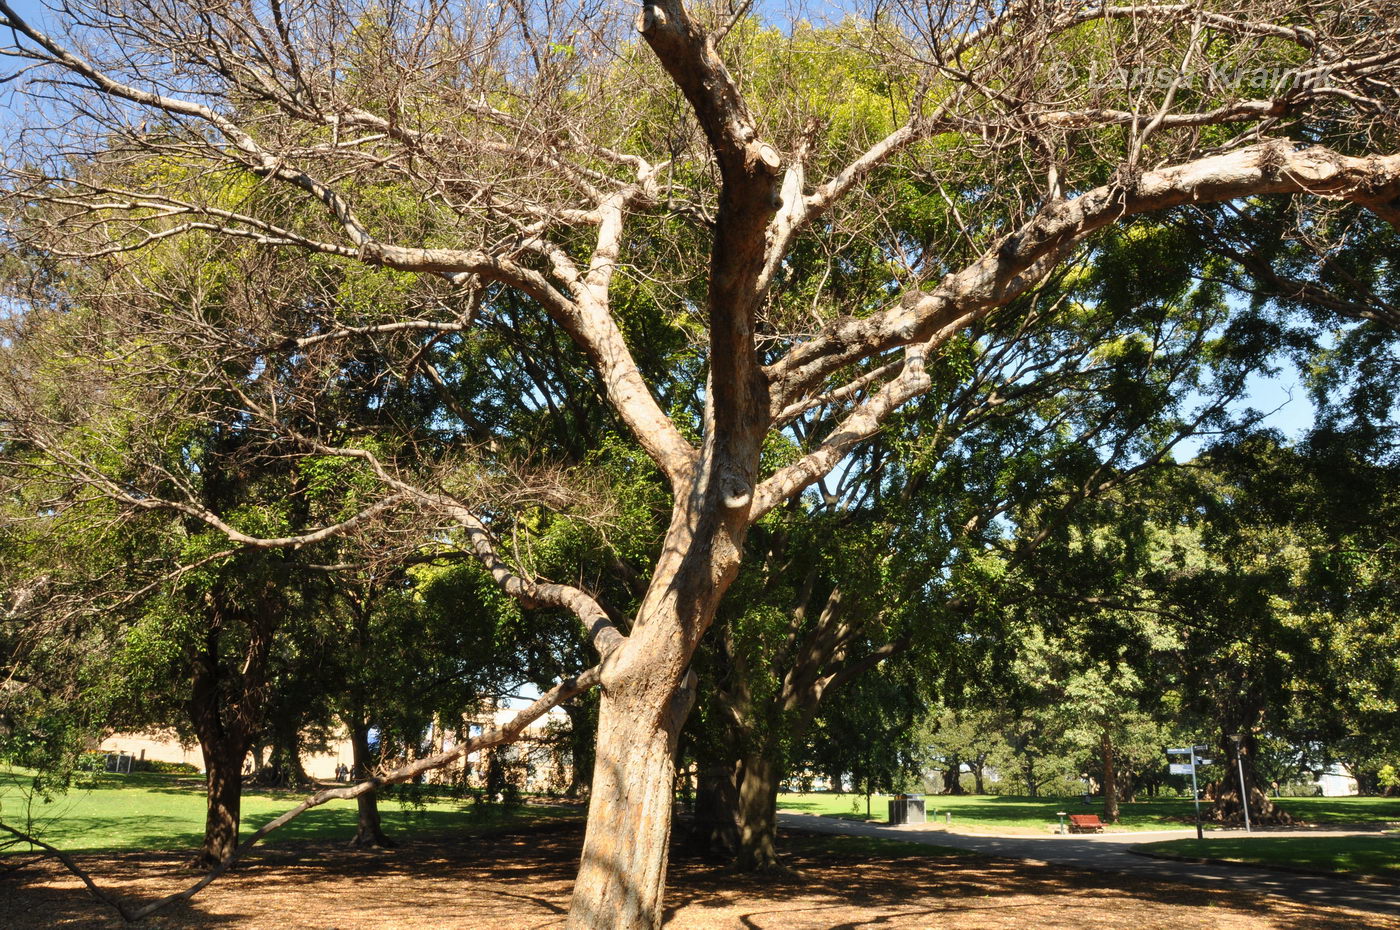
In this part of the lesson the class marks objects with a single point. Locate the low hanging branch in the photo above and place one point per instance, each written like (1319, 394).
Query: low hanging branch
(496, 736)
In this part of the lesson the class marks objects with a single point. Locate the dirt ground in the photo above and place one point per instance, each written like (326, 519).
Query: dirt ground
(521, 880)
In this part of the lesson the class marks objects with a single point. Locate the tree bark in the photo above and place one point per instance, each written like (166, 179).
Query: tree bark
(1028, 770)
(369, 830)
(952, 777)
(758, 813)
(979, 774)
(1110, 779)
(1128, 784)
(224, 713)
(622, 875)
(224, 796)
(715, 831)
(284, 768)
(1225, 794)
(1368, 782)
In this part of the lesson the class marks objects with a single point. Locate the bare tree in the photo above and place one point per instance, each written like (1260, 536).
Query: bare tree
(537, 149)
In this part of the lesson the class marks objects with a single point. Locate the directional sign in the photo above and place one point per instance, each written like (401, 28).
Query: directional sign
(1201, 750)
(1200, 761)
(1180, 768)
(1178, 752)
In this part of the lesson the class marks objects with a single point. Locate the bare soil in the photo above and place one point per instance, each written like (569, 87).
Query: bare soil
(521, 880)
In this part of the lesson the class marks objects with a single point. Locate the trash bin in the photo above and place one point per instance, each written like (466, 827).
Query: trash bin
(906, 808)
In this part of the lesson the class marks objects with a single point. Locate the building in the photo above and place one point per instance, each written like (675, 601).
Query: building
(1337, 782)
(534, 760)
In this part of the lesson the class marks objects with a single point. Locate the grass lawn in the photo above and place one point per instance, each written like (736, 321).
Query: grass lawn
(993, 812)
(1342, 810)
(167, 812)
(1370, 855)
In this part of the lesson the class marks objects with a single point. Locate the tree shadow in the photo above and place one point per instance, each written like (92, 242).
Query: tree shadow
(521, 878)
(927, 889)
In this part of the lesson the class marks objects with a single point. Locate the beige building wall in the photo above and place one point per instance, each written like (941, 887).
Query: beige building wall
(158, 747)
(164, 747)
(321, 766)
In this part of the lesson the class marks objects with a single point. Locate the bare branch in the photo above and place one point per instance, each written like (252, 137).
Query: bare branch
(1019, 260)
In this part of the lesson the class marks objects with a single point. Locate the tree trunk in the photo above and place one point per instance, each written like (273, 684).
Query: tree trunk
(1128, 785)
(369, 831)
(622, 876)
(223, 743)
(715, 830)
(226, 709)
(224, 795)
(1110, 779)
(583, 727)
(979, 772)
(758, 813)
(1028, 771)
(284, 768)
(647, 687)
(1225, 794)
(1368, 781)
(952, 777)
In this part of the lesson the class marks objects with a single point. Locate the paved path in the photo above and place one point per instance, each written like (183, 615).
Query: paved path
(1110, 853)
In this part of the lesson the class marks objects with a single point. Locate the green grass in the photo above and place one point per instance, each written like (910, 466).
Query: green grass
(992, 812)
(1342, 810)
(167, 812)
(1368, 855)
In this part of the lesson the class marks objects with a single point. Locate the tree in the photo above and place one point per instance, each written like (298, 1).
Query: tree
(517, 132)
(1023, 426)
(950, 739)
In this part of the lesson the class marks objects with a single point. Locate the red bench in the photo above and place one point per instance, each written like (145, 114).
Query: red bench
(1085, 823)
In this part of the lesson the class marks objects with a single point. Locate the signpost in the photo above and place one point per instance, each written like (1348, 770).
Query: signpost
(1237, 740)
(1197, 754)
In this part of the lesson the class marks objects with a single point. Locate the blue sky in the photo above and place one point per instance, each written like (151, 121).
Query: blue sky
(31, 10)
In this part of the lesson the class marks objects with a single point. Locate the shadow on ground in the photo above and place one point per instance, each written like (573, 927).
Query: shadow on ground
(521, 879)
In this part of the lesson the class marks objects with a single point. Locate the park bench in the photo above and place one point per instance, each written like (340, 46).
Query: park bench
(1085, 823)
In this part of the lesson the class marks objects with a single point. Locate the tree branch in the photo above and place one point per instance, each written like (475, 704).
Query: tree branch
(508, 733)
(1018, 261)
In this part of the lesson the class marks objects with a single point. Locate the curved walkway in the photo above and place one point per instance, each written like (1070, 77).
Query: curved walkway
(1111, 852)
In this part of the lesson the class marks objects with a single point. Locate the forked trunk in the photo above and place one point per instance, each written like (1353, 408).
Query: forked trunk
(758, 814)
(622, 875)
(647, 691)
(225, 708)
